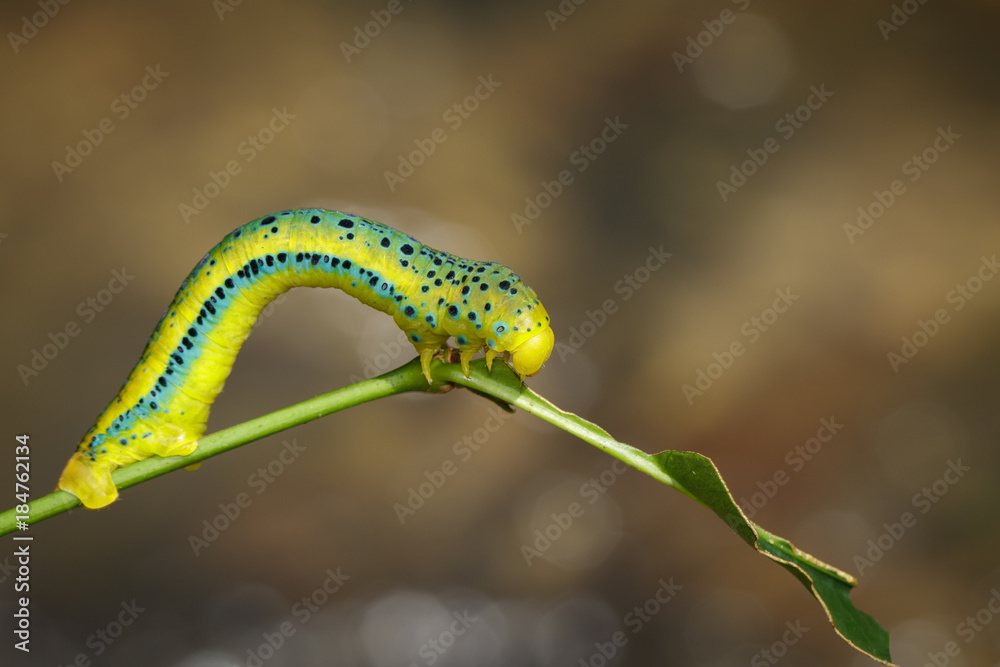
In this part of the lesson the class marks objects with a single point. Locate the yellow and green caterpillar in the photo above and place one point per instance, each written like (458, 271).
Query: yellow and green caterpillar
(432, 295)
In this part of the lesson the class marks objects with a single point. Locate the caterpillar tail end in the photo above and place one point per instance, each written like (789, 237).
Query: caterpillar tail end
(88, 481)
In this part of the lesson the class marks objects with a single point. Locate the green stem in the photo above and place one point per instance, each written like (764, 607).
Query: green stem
(497, 385)
(405, 378)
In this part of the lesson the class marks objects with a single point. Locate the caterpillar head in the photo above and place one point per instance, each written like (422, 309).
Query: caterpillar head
(529, 341)
(528, 357)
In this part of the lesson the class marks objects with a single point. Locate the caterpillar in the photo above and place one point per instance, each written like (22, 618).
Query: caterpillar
(162, 409)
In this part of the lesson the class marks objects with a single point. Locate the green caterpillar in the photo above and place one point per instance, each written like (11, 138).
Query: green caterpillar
(432, 295)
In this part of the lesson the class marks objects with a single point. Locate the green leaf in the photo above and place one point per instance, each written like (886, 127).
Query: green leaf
(829, 585)
(697, 477)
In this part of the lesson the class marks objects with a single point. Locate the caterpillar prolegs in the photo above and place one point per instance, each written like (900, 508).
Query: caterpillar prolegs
(432, 296)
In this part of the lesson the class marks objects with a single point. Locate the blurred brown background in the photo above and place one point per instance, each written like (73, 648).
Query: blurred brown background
(832, 101)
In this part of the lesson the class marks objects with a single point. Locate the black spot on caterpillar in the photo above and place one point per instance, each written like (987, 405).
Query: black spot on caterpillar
(432, 296)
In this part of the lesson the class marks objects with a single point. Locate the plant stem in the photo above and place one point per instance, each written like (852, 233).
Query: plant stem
(524, 398)
(405, 378)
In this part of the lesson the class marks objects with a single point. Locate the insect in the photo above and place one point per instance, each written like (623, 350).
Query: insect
(432, 296)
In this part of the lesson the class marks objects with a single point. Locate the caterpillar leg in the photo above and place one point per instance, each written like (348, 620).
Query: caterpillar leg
(426, 354)
(491, 354)
(427, 346)
(464, 357)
